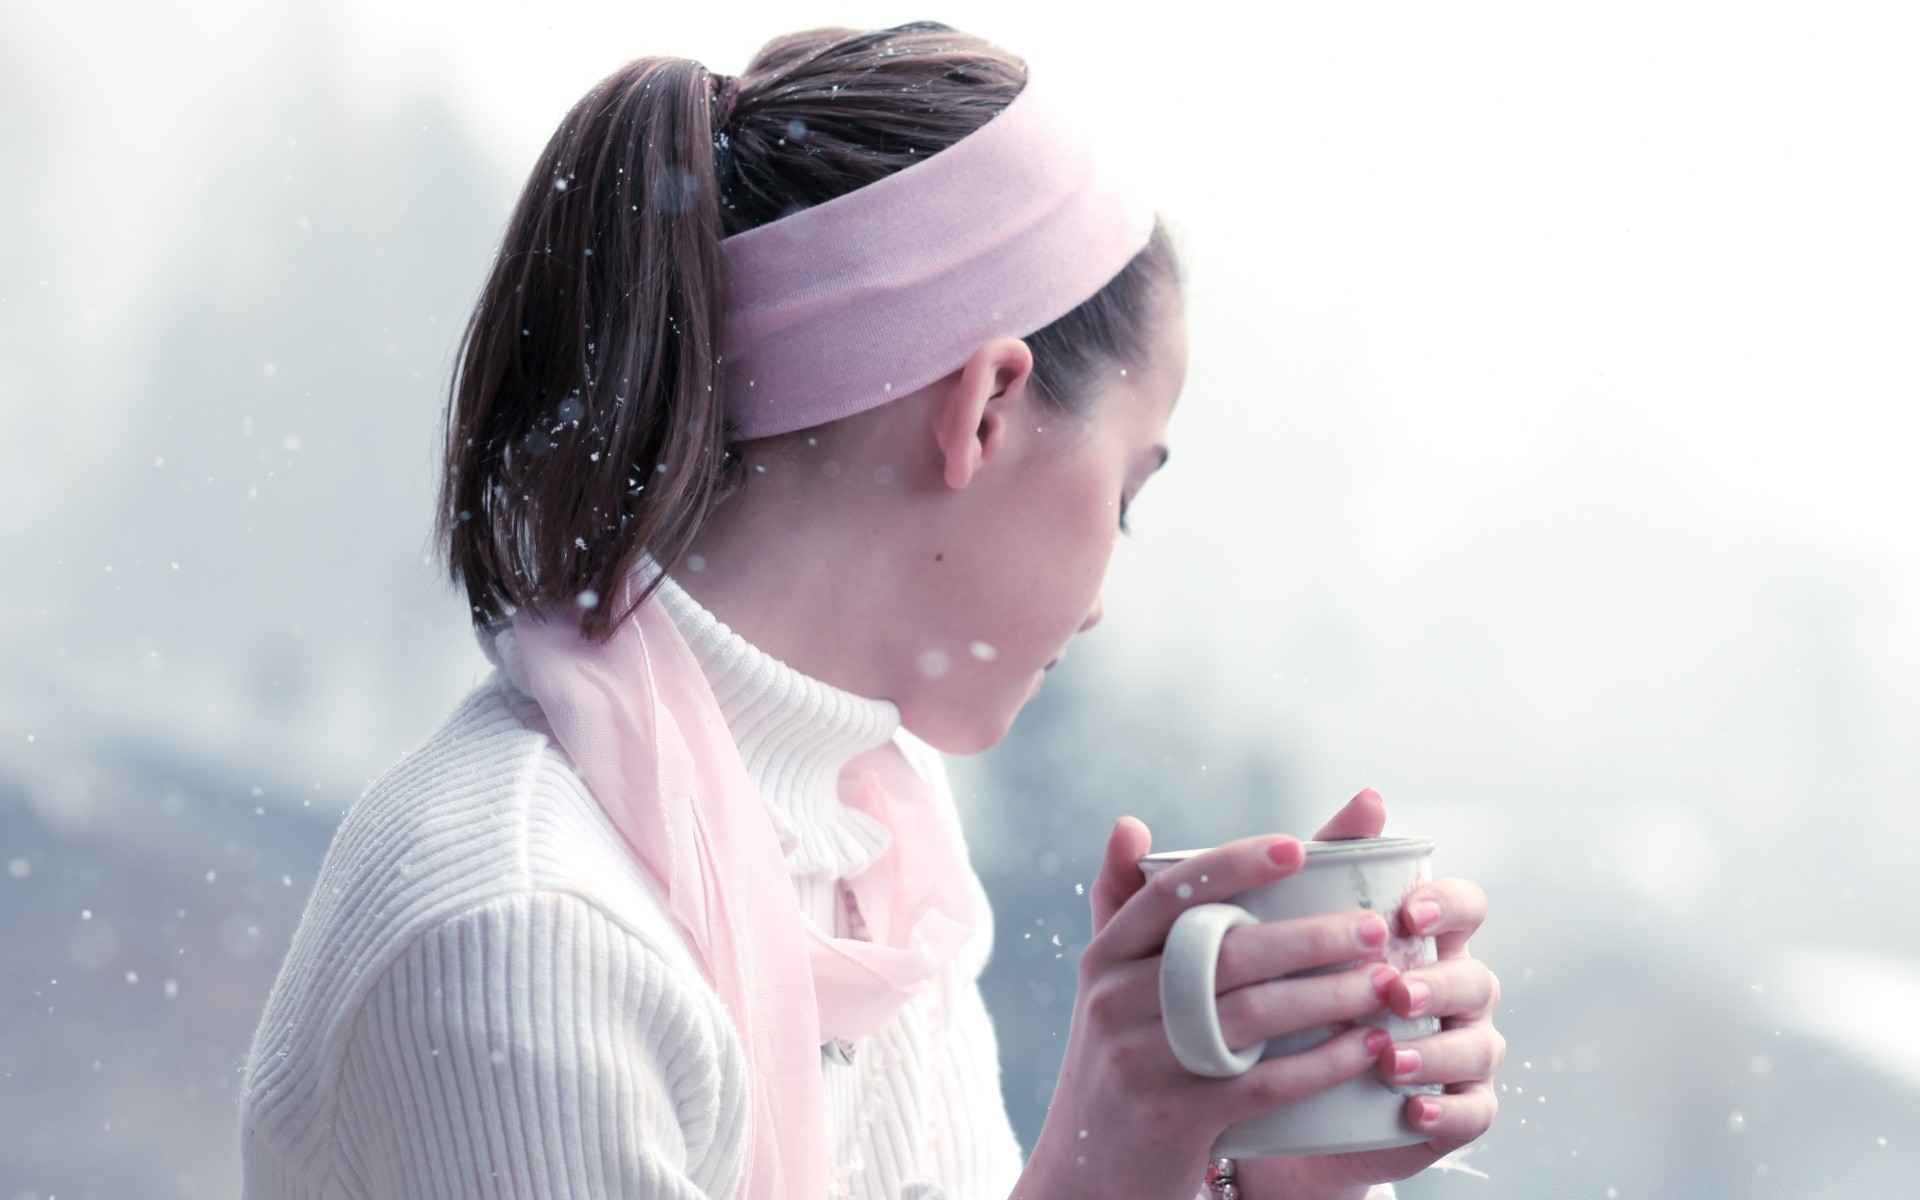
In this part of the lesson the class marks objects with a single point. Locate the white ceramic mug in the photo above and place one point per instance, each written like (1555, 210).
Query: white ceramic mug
(1363, 1113)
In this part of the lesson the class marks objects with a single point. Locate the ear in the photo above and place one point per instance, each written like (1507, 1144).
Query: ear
(972, 413)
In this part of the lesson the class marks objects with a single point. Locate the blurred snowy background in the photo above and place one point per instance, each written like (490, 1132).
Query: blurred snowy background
(1548, 462)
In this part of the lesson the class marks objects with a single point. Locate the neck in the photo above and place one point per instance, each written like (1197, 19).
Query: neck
(800, 559)
(794, 732)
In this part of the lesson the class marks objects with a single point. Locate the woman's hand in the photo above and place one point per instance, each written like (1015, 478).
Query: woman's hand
(1127, 1119)
(1464, 1055)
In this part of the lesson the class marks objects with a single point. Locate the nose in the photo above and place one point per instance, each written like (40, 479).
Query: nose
(1094, 614)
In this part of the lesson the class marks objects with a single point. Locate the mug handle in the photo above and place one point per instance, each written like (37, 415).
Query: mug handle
(1187, 1007)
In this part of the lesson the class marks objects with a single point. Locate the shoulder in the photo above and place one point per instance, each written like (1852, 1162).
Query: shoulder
(548, 1004)
(545, 1005)
(554, 970)
(542, 1003)
(488, 806)
(517, 950)
(484, 831)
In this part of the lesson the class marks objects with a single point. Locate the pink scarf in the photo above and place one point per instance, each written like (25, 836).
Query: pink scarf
(641, 725)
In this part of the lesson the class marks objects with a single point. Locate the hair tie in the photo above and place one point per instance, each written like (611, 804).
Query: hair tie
(726, 93)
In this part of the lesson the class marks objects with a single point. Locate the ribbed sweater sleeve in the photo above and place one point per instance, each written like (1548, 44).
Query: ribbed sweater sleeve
(533, 1047)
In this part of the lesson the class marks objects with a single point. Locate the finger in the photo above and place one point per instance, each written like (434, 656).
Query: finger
(1250, 953)
(1448, 910)
(1276, 1081)
(1262, 1010)
(1455, 1116)
(1469, 1055)
(1452, 987)
(1128, 992)
(1140, 926)
(1363, 816)
(1124, 994)
(1120, 875)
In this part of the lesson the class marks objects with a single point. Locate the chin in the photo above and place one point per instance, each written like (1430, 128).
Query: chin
(953, 731)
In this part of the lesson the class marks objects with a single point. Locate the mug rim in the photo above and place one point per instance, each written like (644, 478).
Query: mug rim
(1376, 847)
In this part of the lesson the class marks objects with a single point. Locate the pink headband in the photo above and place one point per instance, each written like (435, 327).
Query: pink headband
(846, 305)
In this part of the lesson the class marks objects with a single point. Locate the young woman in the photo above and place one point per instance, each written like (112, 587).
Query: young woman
(790, 439)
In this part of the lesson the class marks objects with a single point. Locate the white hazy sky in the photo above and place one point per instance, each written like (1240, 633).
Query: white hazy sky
(1521, 333)
(1480, 219)
(1696, 218)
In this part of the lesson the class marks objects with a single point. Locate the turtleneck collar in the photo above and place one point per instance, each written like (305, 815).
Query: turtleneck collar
(795, 733)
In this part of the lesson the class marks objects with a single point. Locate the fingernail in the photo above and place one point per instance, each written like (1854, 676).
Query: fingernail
(1406, 1062)
(1284, 852)
(1417, 996)
(1378, 1040)
(1426, 1110)
(1383, 977)
(1371, 931)
(1423, 913)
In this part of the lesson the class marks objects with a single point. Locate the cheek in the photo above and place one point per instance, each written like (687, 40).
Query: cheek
(1010, 589)
(1047, 572)
(1076, 566)
(1027, 621)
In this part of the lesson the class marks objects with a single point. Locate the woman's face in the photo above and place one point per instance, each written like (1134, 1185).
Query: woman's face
(1022, 551)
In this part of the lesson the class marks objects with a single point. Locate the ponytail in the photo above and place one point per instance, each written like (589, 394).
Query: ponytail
(584, 426)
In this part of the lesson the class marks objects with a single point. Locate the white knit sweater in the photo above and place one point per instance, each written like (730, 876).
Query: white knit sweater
(485, 996)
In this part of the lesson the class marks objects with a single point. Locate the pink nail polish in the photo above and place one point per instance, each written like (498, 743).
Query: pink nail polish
(1378, 1040)
(1423, 913)
(1406, 1062)
(1382, 978)
(1417, 996)
(1371, 931)
(1285, 852)
(1425, 1111)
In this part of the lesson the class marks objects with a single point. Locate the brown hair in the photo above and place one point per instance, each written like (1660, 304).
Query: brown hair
(584, 422)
